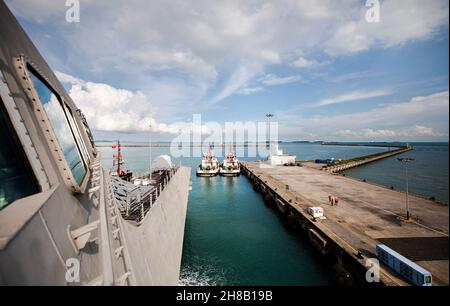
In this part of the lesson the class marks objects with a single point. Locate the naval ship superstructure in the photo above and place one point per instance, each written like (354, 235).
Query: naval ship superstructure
(64, 220)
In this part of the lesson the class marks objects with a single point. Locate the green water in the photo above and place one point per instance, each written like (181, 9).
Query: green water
(233, 238)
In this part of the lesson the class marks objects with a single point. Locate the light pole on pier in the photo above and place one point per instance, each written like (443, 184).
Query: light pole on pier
(150, 148)
(405, 162)
(268, 138)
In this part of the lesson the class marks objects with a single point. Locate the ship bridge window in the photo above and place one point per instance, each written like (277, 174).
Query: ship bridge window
(60, 124)
(16, 176)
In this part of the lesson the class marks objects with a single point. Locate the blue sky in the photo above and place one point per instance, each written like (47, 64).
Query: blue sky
(319, 66)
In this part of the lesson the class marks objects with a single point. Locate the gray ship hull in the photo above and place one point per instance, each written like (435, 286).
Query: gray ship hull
(155, 247)
(64, 222)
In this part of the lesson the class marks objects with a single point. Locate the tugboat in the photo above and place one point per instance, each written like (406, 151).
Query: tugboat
(231, 165)
(210, 164)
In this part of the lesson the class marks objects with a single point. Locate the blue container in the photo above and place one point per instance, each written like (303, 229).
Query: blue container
(409, 270)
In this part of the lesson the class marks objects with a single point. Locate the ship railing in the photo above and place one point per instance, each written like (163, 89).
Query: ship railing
(99, 194)
(116, 268)
(138, 201)
(107, 267)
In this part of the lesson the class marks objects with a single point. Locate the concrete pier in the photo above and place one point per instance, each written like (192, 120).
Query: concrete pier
(359, 161)
(365, 216)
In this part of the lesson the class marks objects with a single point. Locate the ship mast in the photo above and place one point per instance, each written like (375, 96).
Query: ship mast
(230, 153)
(117, 158)
(209, 152)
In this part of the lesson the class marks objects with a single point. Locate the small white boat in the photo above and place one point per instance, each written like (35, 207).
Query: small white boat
(210, 164)
(231, 165)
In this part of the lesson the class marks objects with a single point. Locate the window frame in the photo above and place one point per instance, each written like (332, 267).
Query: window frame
(19, 150)
(21, 131)
(24, 67)
(87, 130)
(77, 132)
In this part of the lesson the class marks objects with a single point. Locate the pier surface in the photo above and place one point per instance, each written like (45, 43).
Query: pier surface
(365, 216)
(343, 165)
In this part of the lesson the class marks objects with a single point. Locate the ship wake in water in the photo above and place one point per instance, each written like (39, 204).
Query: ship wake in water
(202, 273)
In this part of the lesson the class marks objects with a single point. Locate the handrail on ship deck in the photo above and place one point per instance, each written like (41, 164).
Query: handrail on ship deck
(108, 277)
(137, 204)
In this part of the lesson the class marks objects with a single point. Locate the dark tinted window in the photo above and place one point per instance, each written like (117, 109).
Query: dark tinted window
(16, 177)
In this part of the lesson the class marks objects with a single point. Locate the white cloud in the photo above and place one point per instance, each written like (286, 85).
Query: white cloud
(420, 130)
(108, 108)
(37, 10)
(354, 96)
(192, 43)
(274, 80)
(401, 21)
(302, 62)
(424, 117)
(245, 90)
(270, 56)
(266, 80)
(238, 79)
(382, 133)
(367, 134)
(180, 60)
(111, 109)
(358, 75)
(410, 132)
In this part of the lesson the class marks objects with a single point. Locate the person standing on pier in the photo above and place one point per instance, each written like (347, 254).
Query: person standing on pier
(333, 200)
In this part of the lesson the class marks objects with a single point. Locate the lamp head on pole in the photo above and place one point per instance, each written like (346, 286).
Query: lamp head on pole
(406, 159)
